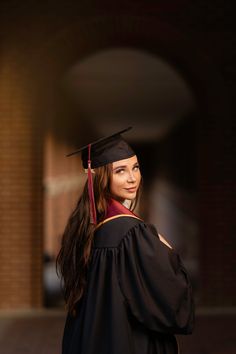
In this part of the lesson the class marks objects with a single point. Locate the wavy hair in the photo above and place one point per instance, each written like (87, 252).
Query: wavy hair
(73, 258)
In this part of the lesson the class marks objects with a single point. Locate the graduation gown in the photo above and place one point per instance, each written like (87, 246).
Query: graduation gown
(138, 293)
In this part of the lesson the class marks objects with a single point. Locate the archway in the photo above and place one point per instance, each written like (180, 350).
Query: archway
(78, 41)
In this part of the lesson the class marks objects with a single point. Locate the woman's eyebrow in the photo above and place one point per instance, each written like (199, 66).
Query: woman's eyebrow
(124, 166)
(121, 166)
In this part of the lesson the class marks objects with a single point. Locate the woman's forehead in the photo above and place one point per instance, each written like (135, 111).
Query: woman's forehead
(125, 162)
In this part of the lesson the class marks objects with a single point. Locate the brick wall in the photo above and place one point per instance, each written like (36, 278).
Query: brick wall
(217, 211)
(21, 192)
(63, 182)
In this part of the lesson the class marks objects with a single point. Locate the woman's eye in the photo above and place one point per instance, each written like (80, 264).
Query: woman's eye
(136, 168)
(120, 171)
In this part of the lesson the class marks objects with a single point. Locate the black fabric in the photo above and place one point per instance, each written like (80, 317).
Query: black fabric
(110, 150)
(106, 150)
(138, 295)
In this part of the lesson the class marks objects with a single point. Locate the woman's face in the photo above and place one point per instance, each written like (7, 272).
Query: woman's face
(125, 179)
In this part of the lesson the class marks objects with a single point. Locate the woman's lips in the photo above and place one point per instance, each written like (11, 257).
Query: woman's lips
(131, 190)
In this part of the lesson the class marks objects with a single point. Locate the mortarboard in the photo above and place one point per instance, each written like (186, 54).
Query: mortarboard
(99, 153)
(105, 150)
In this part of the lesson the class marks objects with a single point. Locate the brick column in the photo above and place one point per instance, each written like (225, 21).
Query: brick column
(20, 191)
(217, 202)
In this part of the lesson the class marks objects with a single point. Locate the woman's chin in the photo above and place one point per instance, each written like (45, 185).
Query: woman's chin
(130, 196)
(127, 196)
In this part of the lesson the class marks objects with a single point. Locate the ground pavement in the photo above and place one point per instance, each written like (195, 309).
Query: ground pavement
(40, 332)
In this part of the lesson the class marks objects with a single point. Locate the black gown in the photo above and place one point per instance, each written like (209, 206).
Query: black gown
(138, 294)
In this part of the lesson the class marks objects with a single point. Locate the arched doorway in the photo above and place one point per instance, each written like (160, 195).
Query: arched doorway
(79, 41)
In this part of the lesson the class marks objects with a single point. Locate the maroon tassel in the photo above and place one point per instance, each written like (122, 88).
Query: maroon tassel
(93, 214)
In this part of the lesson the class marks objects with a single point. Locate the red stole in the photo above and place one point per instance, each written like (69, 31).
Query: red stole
(115, 208)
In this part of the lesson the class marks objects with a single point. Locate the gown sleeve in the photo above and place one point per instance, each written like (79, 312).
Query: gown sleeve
(154, 282)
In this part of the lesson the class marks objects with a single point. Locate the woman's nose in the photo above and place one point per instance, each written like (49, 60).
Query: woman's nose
(131, 177)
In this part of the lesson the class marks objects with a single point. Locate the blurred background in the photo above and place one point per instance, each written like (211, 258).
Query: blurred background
(74, 72)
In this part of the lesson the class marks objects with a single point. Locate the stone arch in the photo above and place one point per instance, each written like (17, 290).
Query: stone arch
(83, 38)
(92, 34)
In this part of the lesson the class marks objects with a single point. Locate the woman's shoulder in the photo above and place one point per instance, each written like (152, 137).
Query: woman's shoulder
(111, 231)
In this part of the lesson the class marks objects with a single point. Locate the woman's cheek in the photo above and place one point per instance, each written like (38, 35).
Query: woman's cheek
(120, 179)
(139, 178)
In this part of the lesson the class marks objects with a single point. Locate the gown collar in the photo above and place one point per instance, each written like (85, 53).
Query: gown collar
(116, 208)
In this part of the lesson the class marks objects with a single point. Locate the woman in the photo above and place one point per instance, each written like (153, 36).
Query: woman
(126, 290)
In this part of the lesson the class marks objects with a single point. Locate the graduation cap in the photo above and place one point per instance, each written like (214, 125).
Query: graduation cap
(105, 150)
(99, 153)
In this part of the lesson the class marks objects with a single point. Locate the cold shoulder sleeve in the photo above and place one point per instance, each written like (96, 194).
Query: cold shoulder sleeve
(155, 284)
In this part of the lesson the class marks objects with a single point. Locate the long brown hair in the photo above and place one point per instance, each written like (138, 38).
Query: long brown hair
(74, 256)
